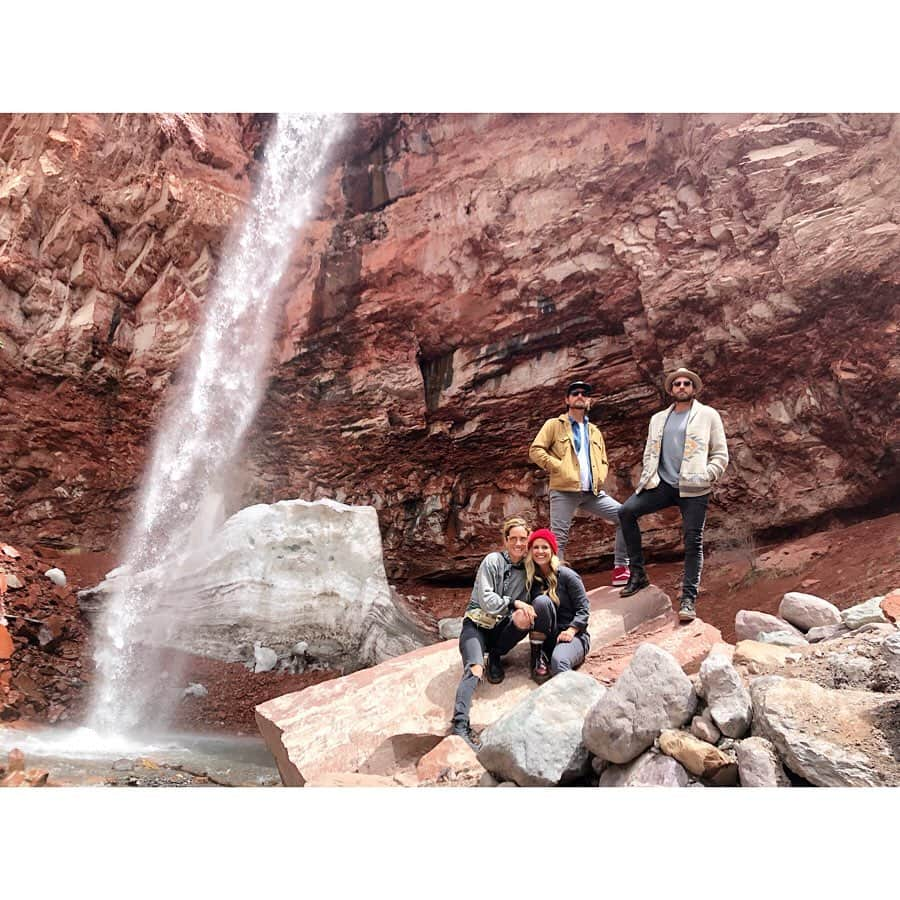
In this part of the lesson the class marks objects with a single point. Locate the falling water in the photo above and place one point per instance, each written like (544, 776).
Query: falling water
(202, 428)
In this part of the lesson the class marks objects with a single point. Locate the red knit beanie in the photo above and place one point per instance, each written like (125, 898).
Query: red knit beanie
(547, 535)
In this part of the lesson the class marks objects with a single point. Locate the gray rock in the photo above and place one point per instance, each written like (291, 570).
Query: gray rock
(890, 653)
(650, 769)
(827, 632)
(750, 624)
(195, 690)
(864, 613)
(849, 669)
(299, 649)
(265, 658)
(728, 699)
(57, 576)
(807, 611)
(704, 728)
(758, 764)
(487, 780)
(123, 765)
(783, 639)
(650, 695)
(449, 628)
(833, 738)
(538, 742)
(599, 765)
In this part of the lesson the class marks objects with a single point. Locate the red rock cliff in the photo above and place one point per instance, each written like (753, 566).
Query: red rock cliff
(461, 271)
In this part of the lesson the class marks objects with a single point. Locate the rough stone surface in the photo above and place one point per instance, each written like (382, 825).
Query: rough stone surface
(826, 632)
(653, 693)
(890, 605)
(727, 698)
(890, 651)
(782, 638)
(458, 264)
(650, 769)
(750, 624)
(449, 628)
(833, 738)
(704, 728)
(698, 757)
(539, 743)
(277, 575)
(805, 611)
(864, 613)
(450, 760)
(758, 764)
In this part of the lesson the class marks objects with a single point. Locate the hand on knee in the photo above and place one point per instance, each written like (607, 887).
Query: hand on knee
(521, 620)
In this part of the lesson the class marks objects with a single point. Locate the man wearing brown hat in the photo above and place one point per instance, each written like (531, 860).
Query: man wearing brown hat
(685, 455)
(571, 449)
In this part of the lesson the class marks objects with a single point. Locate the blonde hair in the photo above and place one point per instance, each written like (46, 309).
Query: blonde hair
(551, 578)
(513, 522)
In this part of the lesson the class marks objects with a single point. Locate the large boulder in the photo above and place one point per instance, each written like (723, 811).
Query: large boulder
(749, 624)
(806, 611)
(539, 743)
(275, 575)
(758, 764)
(726, 696)
(864, 613)
(653, 693)
(833, 738)
(650, 769)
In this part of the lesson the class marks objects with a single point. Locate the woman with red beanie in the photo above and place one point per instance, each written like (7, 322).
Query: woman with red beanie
(559, 636)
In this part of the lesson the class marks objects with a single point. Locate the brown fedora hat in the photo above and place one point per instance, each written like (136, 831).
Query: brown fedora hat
(698, 382)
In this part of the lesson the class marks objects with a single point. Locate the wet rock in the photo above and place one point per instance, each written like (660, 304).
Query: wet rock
(806, 611)
(698, 757)
(539, 742)
(750, 624)
(195, 690)
(832, 738)
(727, 698)
(653, 693)
(650, 769)
(57, 576)
(864, 613)
(758, 764)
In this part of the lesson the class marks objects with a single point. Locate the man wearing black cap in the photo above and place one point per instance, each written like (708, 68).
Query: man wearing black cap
(685, 454)
(572, 451)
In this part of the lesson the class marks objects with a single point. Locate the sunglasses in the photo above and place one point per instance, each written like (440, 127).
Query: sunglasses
(682, 384)
(579, 393)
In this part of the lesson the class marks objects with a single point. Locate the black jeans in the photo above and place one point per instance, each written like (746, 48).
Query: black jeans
(693, 518)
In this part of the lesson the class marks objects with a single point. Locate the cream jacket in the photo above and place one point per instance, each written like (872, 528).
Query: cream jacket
(705, 451)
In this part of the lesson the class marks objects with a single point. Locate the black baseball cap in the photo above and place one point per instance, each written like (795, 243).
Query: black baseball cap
(575, 385)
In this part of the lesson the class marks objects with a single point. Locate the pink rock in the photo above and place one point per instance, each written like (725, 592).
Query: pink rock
(451, 756)
(890, 606)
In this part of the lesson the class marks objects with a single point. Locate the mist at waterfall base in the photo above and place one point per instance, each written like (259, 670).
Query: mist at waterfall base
(201, 433)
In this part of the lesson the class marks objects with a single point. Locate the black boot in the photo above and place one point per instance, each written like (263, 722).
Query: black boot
(539, 670)
(495, 671)
(462, 729)
(637, 581)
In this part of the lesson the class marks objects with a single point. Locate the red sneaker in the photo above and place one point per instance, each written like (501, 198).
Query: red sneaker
(621, 574)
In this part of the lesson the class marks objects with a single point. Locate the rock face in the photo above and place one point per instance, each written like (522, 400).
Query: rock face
(276, 575)
(538, 743)
(462, 269)
(653, 693)
(833, 738)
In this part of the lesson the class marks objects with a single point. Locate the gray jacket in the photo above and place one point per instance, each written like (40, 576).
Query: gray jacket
(498, 584)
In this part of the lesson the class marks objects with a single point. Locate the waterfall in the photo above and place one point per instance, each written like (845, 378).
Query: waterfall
(203, 425)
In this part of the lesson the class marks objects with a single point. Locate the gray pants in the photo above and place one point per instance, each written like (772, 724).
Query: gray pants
(564, 655)
(564, 505)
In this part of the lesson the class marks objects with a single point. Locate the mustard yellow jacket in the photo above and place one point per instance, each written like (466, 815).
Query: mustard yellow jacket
(554, 451)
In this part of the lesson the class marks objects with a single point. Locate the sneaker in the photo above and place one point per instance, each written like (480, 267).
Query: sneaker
(637, 581)
(463, 730)
(687, 610)
(621, 574)
(541, 670)
(495, 673)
